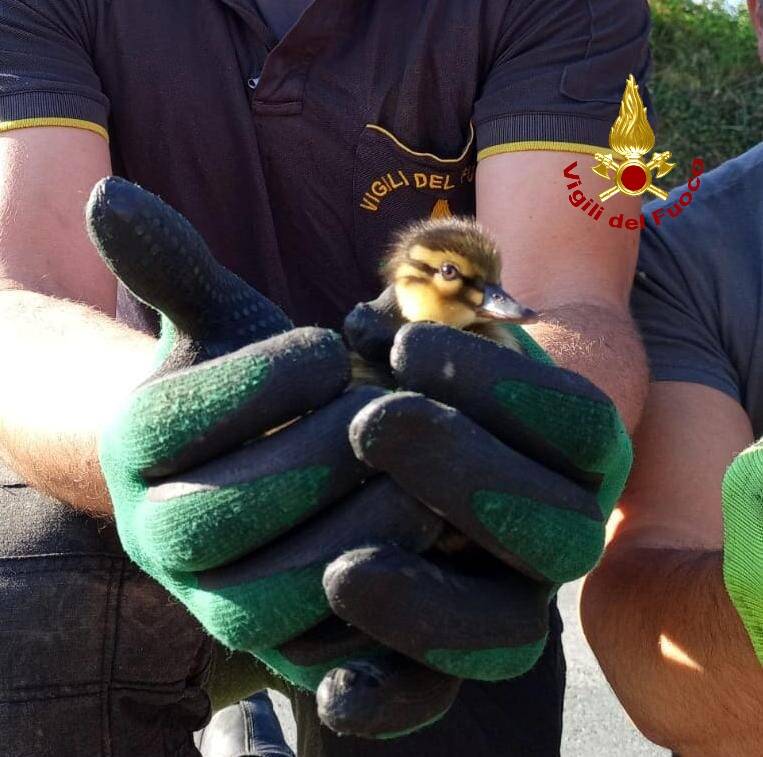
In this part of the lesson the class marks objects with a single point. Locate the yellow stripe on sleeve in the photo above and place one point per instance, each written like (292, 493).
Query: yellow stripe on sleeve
(75, 123)
(539, 144)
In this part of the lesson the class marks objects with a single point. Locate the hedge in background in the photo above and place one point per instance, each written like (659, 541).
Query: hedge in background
(707, 83)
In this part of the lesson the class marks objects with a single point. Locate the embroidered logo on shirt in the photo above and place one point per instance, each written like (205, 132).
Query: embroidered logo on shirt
(631, 137)
(385, 185)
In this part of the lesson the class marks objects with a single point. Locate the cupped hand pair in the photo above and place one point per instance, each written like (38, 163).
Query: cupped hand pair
(298, 519)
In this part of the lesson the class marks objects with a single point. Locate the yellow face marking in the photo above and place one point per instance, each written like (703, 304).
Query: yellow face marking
(475, 296)
(424, 302)
(447, 288)
(425, 296)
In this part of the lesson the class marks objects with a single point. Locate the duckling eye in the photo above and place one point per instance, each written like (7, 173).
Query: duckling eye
(449, 272)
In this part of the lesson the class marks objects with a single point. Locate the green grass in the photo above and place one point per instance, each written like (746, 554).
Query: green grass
(707, 83)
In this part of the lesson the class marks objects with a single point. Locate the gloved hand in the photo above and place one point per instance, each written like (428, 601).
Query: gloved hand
(223, 513)
(525, 458)
(743, 540)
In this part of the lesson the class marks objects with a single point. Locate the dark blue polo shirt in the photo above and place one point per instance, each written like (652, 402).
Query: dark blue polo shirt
(366, 114)
(698, 293)
(297, 159)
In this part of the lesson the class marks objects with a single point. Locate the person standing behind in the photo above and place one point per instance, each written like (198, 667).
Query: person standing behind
(674, 612)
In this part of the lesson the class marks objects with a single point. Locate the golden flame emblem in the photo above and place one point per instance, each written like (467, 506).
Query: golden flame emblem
(631, 137)
(442, 209)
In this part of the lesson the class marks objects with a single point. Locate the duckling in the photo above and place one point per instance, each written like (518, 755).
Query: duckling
(447, 271)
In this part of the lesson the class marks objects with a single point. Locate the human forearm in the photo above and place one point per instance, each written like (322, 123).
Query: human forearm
(65, 369)
(674, 650)
(600, 342)
(578, 275)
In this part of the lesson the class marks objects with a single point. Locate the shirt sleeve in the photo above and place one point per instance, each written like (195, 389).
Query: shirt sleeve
(558, 74)
(47, 76)
(675, 304)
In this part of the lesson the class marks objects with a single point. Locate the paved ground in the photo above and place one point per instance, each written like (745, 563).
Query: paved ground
(594, 726)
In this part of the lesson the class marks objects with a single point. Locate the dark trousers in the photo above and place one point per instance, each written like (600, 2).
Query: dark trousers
(96, 659)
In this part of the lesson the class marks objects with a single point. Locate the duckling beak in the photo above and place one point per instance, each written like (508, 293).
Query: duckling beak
(499, 305)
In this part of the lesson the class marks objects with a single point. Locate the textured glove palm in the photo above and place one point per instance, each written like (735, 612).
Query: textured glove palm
(743, 540)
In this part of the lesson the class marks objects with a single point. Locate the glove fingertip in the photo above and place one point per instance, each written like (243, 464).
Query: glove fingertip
(370, 327)
(385, 421)
(164, 261)
(384, 697)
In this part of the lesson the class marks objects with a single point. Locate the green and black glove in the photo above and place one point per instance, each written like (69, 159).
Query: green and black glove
(231, 518)
(523, 457)
(743, 540)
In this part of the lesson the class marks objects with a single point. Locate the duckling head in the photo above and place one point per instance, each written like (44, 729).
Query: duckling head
(449, 271)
